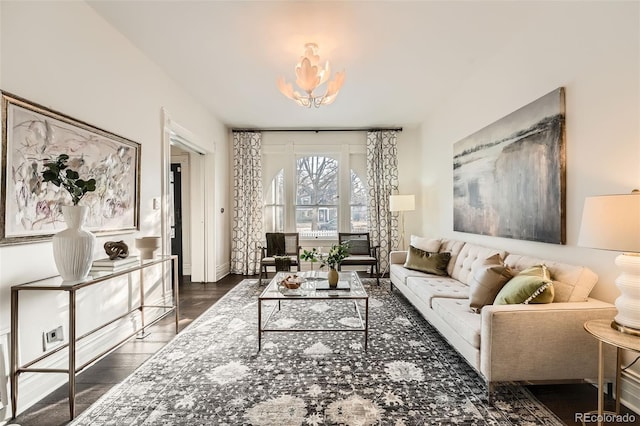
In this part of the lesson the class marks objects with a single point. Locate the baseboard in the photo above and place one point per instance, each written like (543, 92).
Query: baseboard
(222, 271)
(630, 392)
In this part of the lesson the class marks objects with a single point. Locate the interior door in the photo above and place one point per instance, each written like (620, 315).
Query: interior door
(175, 181)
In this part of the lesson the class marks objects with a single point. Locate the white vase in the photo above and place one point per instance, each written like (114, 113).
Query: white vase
(73, 247)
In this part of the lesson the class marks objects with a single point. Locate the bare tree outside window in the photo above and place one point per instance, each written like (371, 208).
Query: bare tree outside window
(317, 200)
(317, 196)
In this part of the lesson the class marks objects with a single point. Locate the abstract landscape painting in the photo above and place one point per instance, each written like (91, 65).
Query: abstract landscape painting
(509, 177)
(33, 135)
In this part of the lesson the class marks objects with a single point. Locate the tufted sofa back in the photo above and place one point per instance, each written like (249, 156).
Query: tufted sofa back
(465, 256)
(571, 283)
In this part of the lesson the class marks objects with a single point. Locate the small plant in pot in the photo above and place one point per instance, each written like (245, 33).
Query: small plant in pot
(72, 247)
(337, 253)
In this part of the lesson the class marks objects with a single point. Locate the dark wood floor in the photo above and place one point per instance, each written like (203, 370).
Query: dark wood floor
(195, 298)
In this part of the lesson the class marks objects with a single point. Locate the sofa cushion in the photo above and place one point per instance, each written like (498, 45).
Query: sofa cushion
(571, 283)
(428, 287)
(426, 244)
(469, 257)
(456, 313)
(533, 285)
(402, 273)
(426, 261)
(487, 280)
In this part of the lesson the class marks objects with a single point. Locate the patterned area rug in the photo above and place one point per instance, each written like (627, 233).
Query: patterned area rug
(212, 374)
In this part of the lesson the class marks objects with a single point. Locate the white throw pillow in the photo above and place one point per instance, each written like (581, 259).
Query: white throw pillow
(426, 244)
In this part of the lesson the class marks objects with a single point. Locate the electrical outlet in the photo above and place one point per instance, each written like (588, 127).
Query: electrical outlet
(52, 338)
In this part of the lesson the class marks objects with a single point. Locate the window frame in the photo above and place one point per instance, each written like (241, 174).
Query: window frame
(283, 155)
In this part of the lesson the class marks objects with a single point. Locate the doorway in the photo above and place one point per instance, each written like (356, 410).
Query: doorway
(196, 173)
(175, 182)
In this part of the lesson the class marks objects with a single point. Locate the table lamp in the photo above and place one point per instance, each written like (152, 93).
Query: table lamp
(612, 222)
(402, 203)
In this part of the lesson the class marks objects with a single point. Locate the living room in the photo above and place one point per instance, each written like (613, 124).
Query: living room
(75, 58)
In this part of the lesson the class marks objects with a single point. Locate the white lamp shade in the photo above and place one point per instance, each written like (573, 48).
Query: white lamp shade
(611, 222)
(402, 203)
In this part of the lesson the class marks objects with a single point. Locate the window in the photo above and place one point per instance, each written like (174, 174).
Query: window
(358, 205)
(316, 196)
(274, 204)
(315, 183)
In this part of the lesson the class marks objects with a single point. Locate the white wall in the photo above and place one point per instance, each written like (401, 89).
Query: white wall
(593, 50)
(64, 56)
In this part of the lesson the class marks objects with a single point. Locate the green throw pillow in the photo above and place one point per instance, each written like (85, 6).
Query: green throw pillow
(532, 285)
(426, 261)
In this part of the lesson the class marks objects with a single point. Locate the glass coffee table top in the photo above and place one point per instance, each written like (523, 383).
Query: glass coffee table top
(314, 285)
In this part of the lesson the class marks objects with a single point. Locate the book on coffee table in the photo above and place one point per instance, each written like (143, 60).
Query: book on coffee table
(324, 285)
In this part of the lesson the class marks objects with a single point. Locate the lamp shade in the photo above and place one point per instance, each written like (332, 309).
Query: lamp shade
(402, 203)
(611, 222)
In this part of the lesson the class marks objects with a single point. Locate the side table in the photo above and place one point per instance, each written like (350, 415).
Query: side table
(602, 330)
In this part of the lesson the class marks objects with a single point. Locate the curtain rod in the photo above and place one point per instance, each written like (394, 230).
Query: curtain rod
(397, 129)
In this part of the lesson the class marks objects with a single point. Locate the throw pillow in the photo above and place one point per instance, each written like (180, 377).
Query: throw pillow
(426, 261)
(426, 244)
(532, 285)
(487, 280)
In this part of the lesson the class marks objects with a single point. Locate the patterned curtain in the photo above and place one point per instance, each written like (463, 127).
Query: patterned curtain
(382, 179)
(247, 234)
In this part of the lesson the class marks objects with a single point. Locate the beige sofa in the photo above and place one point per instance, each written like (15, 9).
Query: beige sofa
(523, 343)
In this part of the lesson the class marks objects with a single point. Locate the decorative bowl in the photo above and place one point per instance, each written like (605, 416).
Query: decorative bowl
(292, 282)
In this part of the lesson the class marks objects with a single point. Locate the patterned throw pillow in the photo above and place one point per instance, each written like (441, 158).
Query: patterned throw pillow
(532, 285)
(426, 261)
(487, 280)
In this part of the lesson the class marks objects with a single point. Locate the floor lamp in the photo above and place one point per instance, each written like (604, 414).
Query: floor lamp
(612, 222)
(401, 204)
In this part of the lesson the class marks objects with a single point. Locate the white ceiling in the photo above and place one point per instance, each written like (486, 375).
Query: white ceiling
(401, 58)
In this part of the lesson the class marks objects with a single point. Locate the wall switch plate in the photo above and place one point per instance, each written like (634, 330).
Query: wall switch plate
(156, 203)
(52, 338)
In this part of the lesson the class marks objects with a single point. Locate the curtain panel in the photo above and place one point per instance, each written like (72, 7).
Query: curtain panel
(247, 232)
(382, 179)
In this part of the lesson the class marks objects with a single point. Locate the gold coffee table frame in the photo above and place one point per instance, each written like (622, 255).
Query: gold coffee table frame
(357, 292)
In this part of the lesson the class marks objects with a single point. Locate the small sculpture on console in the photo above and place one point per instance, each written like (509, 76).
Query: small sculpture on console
(116, 249)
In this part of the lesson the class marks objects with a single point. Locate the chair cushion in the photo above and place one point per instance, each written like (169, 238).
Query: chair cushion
(358, 259)
(271, 261)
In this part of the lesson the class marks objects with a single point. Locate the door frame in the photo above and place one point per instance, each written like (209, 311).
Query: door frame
(201, 200)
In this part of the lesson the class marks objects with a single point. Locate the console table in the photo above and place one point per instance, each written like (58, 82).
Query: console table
(56, 284)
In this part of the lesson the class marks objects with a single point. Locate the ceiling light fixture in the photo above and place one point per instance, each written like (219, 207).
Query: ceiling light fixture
(310, 75)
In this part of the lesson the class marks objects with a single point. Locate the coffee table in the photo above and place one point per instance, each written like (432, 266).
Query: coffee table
(310, 291)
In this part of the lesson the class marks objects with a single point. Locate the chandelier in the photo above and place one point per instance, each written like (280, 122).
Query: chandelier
(309, 76)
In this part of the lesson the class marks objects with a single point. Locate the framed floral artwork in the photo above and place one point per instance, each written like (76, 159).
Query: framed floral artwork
(33, 135)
